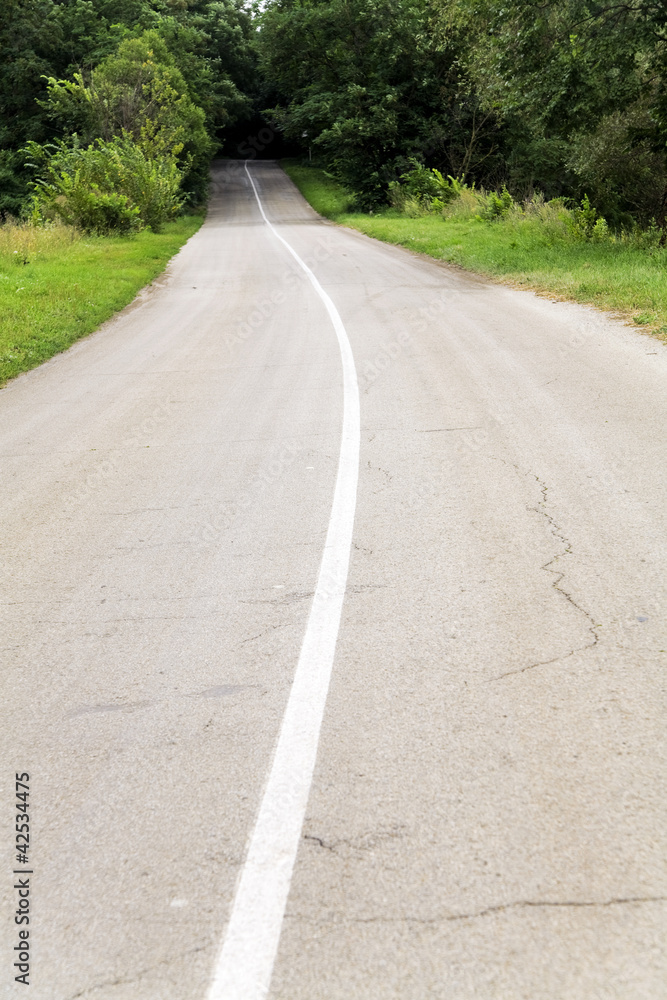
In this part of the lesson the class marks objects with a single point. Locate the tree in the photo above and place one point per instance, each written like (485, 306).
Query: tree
(364, 83)
(210, 42)
(138, 93)
(580, 87)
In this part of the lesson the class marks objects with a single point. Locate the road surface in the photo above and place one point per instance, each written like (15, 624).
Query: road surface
(486, 819)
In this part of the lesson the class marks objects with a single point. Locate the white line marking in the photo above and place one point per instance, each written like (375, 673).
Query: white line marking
(244, 967)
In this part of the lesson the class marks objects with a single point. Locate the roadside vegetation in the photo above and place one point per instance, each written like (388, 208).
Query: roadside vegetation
(524, 140)
(57, 284)
(565, 98)
(110, 113)
(569, 253)
(147, 83)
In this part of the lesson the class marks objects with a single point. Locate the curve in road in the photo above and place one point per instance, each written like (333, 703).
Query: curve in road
(486, 817)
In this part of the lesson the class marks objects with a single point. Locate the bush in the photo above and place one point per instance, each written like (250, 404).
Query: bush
(85, 206)
(498, 206)
(13, 184)
(622, 166)
(586, 220)
(419, 182)
(106, 187)
(422, 190)
(138, 93)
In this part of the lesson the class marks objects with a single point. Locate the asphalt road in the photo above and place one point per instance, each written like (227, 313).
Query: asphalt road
(487, 813)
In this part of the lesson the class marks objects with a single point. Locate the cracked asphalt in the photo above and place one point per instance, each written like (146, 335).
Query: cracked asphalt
(487, 817)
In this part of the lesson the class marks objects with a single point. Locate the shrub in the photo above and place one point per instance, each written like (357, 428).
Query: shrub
(138, 92)
(585, 219)
(106, 187)
(85, 206)
(422, 189)
(13, 184)
(621, 165)
(498, 206)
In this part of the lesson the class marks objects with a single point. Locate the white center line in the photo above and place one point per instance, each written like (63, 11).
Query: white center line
(245, 964)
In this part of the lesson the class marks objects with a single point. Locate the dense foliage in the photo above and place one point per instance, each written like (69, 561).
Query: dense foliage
(138, 93)
(567, 97)
(580, 88)
(108, 186)
(366, 83)
(168, 74)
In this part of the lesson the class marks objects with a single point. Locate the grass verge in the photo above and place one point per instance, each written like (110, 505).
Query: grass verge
(626, 279)
(320, 190)
(57, 285)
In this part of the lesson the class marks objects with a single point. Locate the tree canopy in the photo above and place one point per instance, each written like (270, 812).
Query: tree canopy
(179, 68)
(565, 97)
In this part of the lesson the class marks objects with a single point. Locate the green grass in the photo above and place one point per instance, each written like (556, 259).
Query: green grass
(319, 189)
(620, 276)
(57, 285)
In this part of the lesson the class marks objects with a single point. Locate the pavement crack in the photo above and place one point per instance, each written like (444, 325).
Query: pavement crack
(490, 910)
(149, 510)
(267, 631)
(320, 841)
(387, 477)
(369, 840)
(285, 599)
(125, 981)
(549, 903)
(557, 532)
(437, 430)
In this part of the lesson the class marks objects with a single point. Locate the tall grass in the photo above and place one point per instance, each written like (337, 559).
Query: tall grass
(22, 243)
